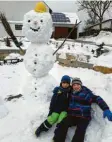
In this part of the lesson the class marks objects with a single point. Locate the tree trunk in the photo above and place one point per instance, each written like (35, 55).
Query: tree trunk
(100, 25)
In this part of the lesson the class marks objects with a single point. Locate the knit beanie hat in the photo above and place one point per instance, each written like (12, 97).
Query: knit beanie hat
(76, 80)
(66, 78)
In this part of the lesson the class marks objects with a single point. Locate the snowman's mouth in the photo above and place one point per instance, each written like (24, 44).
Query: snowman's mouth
(35, 30)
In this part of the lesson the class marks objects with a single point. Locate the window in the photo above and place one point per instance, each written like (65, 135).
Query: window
(18, 27)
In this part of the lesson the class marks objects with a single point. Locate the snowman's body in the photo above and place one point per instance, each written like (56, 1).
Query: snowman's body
(38, 59)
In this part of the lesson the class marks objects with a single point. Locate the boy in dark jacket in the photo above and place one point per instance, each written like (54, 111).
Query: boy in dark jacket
(58, 105)
(79, 112)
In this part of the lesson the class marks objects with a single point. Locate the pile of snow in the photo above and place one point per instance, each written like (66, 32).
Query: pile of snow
(3, 110)
(103, 36)
(103, 60)
(14, 56)
(72, 47)
(62, 56)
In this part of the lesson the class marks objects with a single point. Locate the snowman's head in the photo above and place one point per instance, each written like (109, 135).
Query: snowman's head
(37, 26)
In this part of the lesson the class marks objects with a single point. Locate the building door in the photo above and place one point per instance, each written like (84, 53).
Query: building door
(73, 35)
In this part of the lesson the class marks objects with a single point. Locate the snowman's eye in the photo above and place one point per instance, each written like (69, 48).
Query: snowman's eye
(41, 21)
(28, 21)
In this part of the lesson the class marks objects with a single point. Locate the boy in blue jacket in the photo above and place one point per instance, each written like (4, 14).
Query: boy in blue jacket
(79, 112)
(58, 105)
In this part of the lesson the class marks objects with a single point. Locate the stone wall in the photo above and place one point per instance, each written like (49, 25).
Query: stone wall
(75, 61)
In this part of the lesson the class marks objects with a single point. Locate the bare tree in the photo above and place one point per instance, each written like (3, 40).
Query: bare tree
(92, 19)
(95, 9)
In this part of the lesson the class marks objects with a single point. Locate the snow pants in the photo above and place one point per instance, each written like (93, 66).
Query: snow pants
(56, 117)
(62, 128)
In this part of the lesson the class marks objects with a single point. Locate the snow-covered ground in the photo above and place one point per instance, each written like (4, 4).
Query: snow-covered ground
(76, 48)
(13, 46)
(26, 113)
(103, 36)
(14, 56)
(21, 116)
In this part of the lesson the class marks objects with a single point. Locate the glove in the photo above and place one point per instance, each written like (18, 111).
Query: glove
(107, 113)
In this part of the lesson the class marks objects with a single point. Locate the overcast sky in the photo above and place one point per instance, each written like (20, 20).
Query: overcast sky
(56, 5)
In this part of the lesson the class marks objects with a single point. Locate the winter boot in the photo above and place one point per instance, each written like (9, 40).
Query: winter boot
(44, 127)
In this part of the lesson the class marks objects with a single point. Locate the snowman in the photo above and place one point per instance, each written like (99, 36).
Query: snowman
(39, 59)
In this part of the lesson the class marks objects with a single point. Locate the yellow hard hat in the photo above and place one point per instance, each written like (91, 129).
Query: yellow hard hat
(40, 7)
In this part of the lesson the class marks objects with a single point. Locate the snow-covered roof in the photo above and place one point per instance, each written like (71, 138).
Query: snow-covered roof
(73, 17)
(15, 22)
(65, 18)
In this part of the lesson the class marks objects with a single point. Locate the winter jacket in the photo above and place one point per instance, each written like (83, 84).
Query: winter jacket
(60, 99)
(80, 103)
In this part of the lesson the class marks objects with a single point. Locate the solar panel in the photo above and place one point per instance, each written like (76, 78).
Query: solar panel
(60, 17)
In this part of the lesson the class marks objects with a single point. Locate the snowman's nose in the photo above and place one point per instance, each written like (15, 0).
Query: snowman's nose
(35, 22)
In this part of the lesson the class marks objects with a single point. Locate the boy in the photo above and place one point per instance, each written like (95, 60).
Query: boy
(58, 105)
(79, 112)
